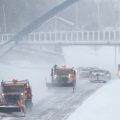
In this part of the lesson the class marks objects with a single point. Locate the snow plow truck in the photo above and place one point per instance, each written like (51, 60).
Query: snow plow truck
(15, 97)
(62, 77)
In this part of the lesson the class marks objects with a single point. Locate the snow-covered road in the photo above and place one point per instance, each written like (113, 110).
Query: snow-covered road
(56, 103)
(103, 105)
(60, 103)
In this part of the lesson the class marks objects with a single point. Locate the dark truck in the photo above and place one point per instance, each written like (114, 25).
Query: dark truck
(62, 77)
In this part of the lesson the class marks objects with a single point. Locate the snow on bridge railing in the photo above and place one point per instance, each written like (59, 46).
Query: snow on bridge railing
(5, 37)
(68, 37)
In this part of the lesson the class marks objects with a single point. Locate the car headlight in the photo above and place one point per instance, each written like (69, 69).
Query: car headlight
(69, 76)
(2, 94)
(22, 94)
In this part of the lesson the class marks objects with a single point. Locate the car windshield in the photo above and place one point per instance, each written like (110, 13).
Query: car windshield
(99, 71)
(13, 88)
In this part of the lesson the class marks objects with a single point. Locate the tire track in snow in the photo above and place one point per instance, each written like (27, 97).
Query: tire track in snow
(60, 104)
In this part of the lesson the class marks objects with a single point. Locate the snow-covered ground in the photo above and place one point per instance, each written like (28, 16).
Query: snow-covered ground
(38, 71)
(103, 105)
(48, 104)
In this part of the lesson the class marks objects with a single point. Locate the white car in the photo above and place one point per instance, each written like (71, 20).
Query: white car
(84, 73)
(100, 75)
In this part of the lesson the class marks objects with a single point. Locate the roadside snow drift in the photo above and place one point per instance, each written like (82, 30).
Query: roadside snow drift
(103, 105)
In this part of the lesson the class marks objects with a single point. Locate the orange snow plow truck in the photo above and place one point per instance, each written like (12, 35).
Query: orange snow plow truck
(62, 77)
(15, 96)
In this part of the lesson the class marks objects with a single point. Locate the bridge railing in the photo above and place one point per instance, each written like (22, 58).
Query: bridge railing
(68, 37)
(5, 37)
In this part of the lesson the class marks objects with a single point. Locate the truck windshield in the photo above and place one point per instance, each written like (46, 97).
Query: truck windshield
(13, 88)
(63, 72)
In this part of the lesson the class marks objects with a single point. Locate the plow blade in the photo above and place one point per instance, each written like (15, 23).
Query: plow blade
(9, 109)
(59, 84)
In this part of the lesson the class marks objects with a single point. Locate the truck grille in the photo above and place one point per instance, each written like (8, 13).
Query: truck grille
(62, 79)
(12, 99)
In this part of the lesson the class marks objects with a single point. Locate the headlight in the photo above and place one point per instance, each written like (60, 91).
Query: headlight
(2, 94)
(22, 94)
(55, 76)
(69, 76)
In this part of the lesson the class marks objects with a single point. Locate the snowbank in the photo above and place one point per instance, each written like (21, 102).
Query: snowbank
(103, 105)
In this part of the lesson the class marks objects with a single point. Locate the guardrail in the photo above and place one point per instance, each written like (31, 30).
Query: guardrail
(68, 37)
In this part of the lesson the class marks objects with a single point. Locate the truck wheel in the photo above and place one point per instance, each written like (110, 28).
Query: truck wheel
(28, 104)
(74, 84)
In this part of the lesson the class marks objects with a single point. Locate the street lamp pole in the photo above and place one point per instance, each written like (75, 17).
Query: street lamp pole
(98, 12)
(77, 15)
(55, 28)
(4, 19)
(115, 57)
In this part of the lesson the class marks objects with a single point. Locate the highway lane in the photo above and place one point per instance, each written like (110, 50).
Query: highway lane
(62, 102)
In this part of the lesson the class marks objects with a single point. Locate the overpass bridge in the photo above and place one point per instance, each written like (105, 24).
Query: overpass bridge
(105, 37)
